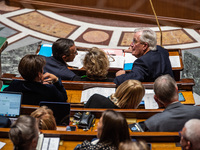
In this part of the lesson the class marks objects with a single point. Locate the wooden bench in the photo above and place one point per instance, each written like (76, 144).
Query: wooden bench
(183, 84)
(69, 139)
(74, 88)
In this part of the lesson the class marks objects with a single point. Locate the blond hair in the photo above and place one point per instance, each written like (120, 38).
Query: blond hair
(129, 145)
(96, 64)
(129, 94)
(45, 117)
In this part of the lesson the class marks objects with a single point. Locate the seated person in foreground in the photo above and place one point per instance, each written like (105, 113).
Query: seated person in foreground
(64, 50)
(96, 64)
(127, 96)
(37, 86)
(111, 130)
(46, 119)
(190, 135)
(152, 61)
(175, 115)
(24, 133)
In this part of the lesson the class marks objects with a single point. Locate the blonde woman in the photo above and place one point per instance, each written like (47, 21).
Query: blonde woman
(96, 64)
(45, 118)
(127, 96)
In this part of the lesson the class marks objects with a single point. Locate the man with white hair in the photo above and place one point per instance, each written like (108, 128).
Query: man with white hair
(190, 135)
(153, 61)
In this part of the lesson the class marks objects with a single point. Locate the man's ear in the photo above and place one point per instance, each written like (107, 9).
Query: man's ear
(146, 46)
(34, 142)
(160, 105)
(64, 57)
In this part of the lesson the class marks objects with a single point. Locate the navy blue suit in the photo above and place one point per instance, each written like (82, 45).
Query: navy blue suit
(58, 68)
(34, 92)
(148, 67)
(173, 118)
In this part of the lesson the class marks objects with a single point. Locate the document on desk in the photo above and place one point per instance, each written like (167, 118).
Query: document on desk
(2, 144)
(129, 58)
(175, 61)
(78, 60)
(86, 94)
(50, 143)
(149, 101)
(116, 62)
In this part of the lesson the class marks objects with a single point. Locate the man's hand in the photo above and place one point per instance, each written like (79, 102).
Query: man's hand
(120, 72)
(49, 78)
(129, 50)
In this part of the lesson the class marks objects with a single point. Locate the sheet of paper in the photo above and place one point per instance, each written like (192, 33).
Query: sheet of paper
(45, 143)
(2, 144)
(129, 58)
(175, 61)
(78, 60)
(54, 143)
(149, 101)
(114, 52)
(40, 142)
(50, 143)
(116, 62)
(99, 90)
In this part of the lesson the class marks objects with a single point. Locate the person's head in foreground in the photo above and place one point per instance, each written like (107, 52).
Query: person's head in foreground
(64, 50)
(31, 67)
(112, 128)
(45, 118)
(129, 94)
(136, 145)
(166, 90)
(96, 64)
(190, 135)
(24, 133)
(144, 40)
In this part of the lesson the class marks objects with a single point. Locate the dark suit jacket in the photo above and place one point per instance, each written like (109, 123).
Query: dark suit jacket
(58, 68)
(34, 92)
(148, 67)
(99, 101)
(173, 118)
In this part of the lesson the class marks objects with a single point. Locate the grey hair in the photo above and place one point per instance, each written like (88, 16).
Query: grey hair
(148, 36)
(192, 132)
(165, 88)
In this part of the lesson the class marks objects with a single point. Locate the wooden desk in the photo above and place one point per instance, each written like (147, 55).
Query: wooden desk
(74, 96)
(74, 88)
(159, 140)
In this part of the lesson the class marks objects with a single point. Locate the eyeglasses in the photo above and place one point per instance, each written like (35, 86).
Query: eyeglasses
(135, 42)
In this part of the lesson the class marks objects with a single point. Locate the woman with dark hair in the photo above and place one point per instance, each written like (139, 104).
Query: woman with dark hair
(37, 86)
(111, 130)
(24, 133)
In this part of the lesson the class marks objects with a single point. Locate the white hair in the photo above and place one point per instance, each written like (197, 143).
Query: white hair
(192, 132)
(148, 36)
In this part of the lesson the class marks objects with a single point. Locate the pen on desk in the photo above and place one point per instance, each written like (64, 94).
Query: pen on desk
(123, 52)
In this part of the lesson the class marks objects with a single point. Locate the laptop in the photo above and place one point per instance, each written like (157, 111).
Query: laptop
(10, 105)
(61, 111)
